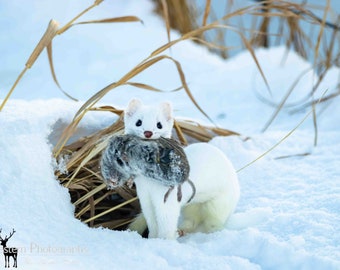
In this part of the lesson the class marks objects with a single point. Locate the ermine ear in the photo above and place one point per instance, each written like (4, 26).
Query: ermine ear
(133, 106)
(166, 108)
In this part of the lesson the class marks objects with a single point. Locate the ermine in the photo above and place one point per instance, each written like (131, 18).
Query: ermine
(214, 178)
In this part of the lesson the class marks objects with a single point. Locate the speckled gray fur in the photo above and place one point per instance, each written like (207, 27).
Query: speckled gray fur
(127, 156)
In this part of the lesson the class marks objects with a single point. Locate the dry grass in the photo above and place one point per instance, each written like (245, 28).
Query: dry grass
(114, 209)
(313, 45)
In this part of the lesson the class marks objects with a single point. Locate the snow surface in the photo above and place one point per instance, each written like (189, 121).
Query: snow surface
(288, 216)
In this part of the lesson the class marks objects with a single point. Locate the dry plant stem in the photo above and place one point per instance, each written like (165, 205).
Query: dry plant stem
(296, 155)
(44, 42)
(200, 132)
(315, 124)
(250, 49)
(111, 209)
(179, 14)
(151, 88)
(95, 151)
(219, 38)
(189, 35)
(206, 12)
(90, 194)
(331, 47)
(316, 51)
(87, 208)
(91, 153)
(180, 134)
(92, 210)
(314, 102)
(283, 139)
(262, 39)
(122, 224)
(50, 61)
(300, 10)
(166, 18)
(12, 89)
(109, 20)
(211, 45)
(112, 20)
(114, 224)
(69, 130)
(87, 146)
(296, 37)
(283, 101)
(214, 25)
(275, 145)
(69, 24)
(50, 33)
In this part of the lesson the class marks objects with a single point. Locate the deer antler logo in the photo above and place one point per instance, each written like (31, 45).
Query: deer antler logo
(9, 251)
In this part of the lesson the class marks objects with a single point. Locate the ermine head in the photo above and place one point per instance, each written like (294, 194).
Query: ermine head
(150, 122)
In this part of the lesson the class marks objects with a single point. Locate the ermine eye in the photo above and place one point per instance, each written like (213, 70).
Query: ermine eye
(139, 123)
(159, 125)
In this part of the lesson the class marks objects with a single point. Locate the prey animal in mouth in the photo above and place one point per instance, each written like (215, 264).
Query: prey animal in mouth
(162, 160)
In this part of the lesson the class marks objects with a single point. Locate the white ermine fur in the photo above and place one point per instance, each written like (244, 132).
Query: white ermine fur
(151, 122)
(215, 179)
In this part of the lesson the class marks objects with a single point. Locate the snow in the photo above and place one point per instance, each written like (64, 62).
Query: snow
(288, 215)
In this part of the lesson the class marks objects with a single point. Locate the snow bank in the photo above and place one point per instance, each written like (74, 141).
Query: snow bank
(286, 219)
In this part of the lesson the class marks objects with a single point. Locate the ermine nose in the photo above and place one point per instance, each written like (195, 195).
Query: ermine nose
(148, 134)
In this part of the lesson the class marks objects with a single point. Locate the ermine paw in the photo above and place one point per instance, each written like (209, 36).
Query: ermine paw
(181, 233)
